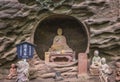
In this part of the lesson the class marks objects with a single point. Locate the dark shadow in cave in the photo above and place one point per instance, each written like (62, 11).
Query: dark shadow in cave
(73, 30)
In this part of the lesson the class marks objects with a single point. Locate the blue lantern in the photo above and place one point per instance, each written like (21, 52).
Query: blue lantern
(25, 50)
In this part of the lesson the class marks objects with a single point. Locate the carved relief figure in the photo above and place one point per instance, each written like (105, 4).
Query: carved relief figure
(60, 43)
(105, 70)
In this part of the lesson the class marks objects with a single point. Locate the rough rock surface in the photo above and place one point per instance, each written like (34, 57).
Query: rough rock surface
(45, 70)
(17, 21)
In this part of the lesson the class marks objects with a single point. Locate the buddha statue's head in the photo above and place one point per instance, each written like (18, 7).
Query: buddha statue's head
(96, 53)
(59, 31)
(103, 60)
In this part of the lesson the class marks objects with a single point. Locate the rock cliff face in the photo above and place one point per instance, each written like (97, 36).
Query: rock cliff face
(19, 18)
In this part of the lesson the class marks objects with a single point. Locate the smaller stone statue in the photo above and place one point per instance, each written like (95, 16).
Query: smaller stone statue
(117, 71)
(105, 71)
(96, 61)
(58, 76)
(117, 78)
(23, 71)
(12, 72)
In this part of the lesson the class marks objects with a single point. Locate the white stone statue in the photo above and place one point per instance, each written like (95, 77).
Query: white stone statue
(104, 70)
(96, 60)
(23, 71)
(60, 43)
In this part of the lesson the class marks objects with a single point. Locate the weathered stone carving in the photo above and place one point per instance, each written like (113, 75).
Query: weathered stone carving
(96, 63)
(60, 43)
(96, 60)
(105, 70)
(60, 48)
(23, 71)
(17, 20)
(12, 72)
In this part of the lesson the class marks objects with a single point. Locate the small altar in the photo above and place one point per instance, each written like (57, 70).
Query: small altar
(68, 57)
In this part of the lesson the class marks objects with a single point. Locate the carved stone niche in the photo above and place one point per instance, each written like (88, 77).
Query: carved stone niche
(76, 33)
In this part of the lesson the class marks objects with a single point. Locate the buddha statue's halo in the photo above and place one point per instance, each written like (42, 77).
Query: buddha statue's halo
(59, 31)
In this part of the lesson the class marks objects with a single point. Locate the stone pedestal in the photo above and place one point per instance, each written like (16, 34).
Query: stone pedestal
(69, 57)
(82, 64)
(60, 57)
(94, 71)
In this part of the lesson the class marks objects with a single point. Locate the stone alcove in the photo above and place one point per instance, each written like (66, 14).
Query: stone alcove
(75, 32)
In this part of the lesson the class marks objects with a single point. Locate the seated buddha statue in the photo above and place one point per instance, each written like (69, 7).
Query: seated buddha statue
(96, 62)
(60, 43)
